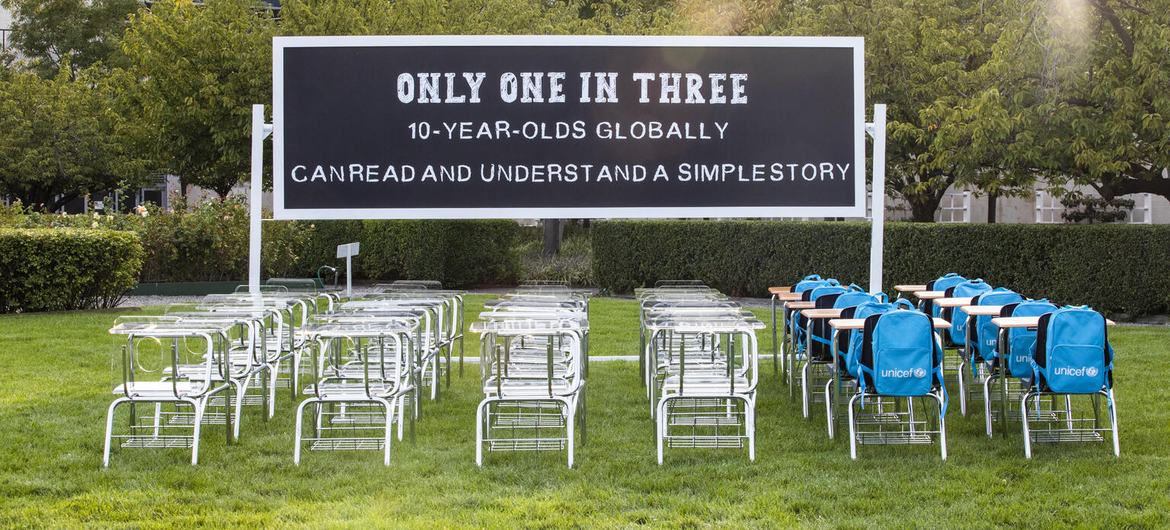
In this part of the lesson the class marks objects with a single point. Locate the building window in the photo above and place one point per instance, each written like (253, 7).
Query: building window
(955, 207)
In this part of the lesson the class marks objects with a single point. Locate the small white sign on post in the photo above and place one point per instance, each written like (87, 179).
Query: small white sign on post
(348, 251)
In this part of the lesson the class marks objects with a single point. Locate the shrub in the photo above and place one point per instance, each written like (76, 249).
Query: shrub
(1113, 268)
(43, 269)
(458, 253)
(574, 264)
(210, 243)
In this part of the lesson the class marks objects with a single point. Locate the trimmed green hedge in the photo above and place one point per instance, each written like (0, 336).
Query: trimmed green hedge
(54, 269)
(458, 253)
(210, 243)
(1114, 268)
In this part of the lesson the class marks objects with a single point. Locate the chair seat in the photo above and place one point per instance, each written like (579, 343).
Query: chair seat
(342, 390)
(159, 389)
(704, 384)
(526, 388)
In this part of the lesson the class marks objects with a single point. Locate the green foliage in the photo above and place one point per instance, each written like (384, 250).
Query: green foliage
(574, 263)
(1113, 268)
(53, 35)
(210, 243)
(1080, 207)
(62, 269)
(60, 138)
(194, 73)
(458, 253)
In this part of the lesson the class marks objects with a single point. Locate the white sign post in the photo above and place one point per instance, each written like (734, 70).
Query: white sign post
(348, 251)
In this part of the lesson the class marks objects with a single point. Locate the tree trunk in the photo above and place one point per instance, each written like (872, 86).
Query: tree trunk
(553, 228)
(922, 207)
(992, 199)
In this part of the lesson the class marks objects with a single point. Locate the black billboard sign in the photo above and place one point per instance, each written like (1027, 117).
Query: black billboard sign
(567, 127)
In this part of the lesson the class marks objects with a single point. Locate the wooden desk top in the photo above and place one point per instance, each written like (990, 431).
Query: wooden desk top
(953, 302)
(822, 313)
(929, 295)
(859, 323)
(909, 288)
(800, 304)
(789, 297)
(1027, 322)
(778, 290)
(983, 310)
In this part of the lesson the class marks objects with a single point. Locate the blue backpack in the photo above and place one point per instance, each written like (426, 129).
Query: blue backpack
(849, 341)
(1022, 341)
(940, 284)
(1073, 355)
(985, 336)
(821, 330)
(799, 323)
(956, 316)
(900, 356)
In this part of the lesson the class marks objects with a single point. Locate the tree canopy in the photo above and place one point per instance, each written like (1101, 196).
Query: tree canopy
(993, 95)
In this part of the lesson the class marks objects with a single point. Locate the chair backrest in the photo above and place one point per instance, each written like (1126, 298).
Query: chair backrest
(1073, 355)
(985, 335)
(849, 342)
(941, 283)
(899, 355)
(1022, 341)
(957, 317)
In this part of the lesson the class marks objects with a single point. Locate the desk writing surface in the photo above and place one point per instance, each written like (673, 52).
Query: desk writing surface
(909, 288)
(800, 304)
(1026, 322)
(953, 302)
(983, 310)
(778, 290)
(822, 313)
(789, 297)
(929, 295)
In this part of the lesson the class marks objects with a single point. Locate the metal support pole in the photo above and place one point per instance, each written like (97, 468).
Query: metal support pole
(878, 209)
(260, 131)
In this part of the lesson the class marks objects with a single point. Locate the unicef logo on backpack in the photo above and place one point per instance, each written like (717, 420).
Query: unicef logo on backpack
(899, 373)
(1086, 371)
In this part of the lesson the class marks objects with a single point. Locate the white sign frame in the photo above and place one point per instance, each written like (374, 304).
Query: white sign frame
(279, 44)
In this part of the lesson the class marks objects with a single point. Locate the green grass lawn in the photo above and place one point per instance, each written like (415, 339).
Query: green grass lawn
(55, 376)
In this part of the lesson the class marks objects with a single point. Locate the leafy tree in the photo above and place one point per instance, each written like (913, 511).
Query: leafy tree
(76, 34)
(195, 71)
(934, 63)
(61, 138)
(1101, 78)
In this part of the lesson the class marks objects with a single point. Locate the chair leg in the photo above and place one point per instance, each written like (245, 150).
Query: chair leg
(479, 428)
(570, 417)
(962, 389)
(661, 426)
(200, 407)
(829, 405)
(110, 430)
(805, 377)
(1024, 419)
(852, 428)
(987, 403)
(1113, 423)
(749, 414)
(389, 434)
(297, 431)
(942, 427)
